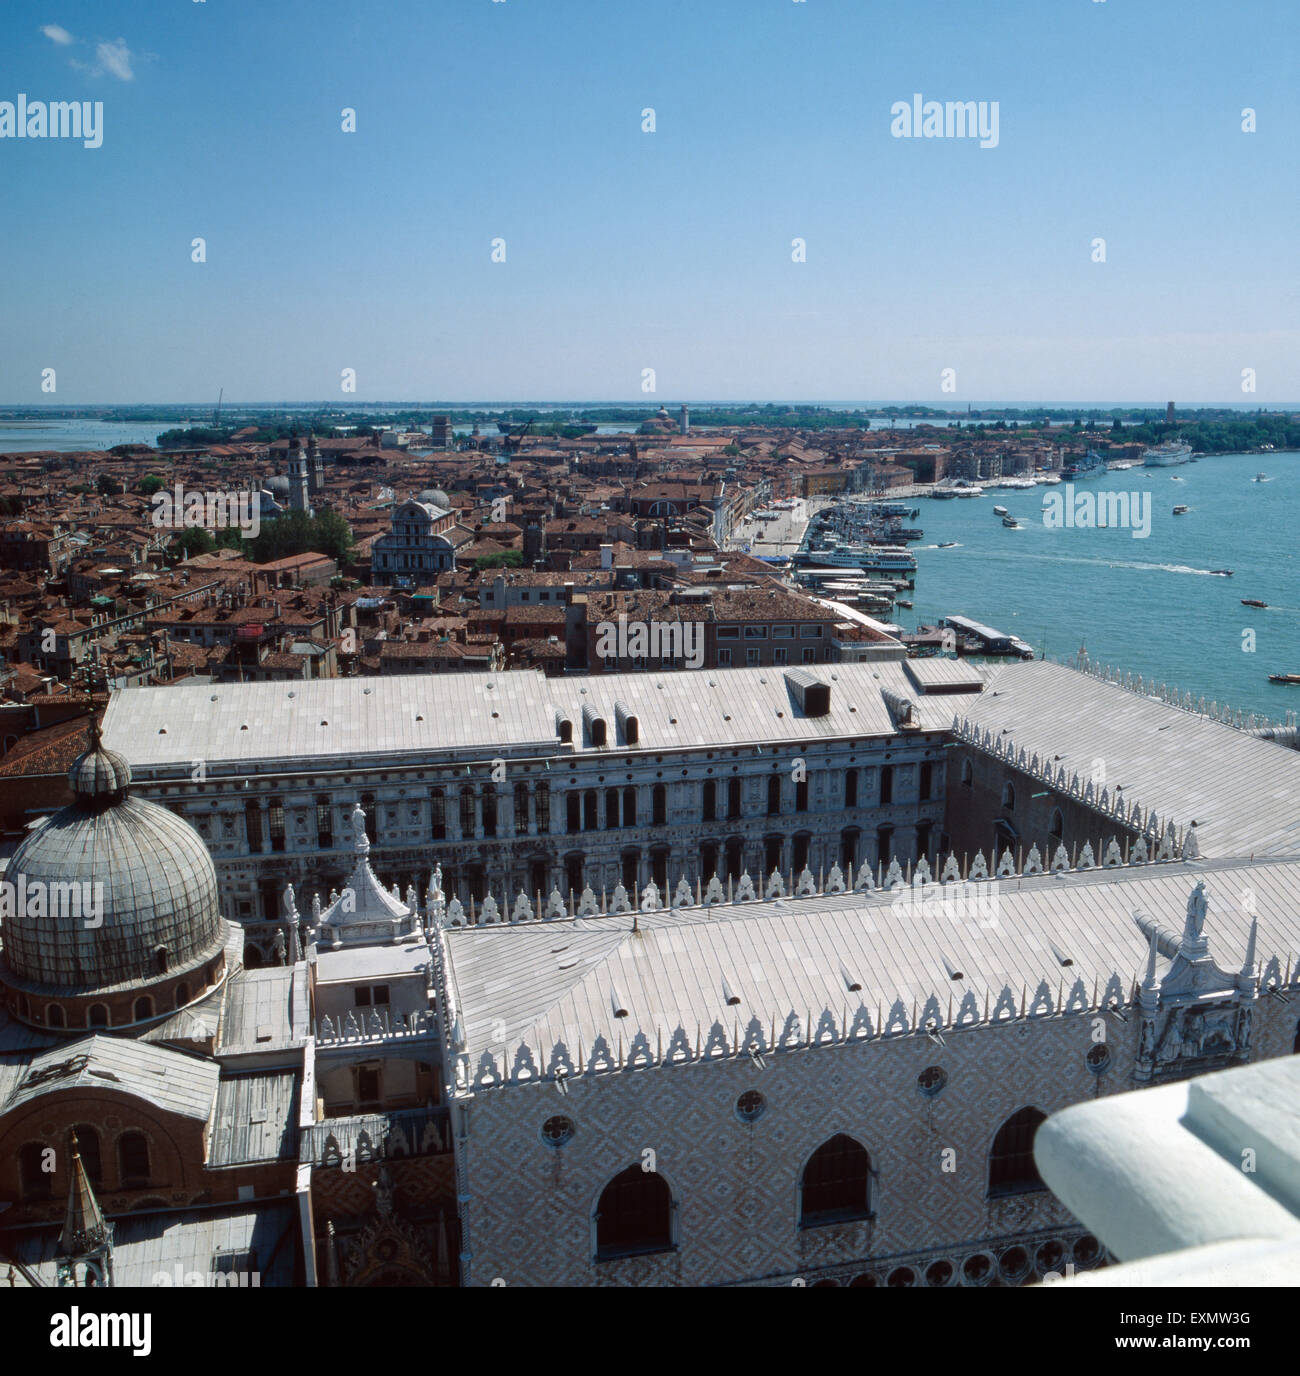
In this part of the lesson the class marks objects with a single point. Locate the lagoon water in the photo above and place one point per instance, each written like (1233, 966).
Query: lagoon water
(1150, 606)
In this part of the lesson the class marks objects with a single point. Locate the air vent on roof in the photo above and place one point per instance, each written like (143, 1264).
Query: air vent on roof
(617, 1004)
(953, 971)
(1061, 958)
(849, 981)
(730, 998)
(812, 695)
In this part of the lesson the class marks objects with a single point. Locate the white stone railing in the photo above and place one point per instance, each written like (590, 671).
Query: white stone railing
(373, 1025)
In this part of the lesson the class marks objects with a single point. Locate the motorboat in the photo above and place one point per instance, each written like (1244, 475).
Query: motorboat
(1181, 510)
(1252, 602)
(1284, 678)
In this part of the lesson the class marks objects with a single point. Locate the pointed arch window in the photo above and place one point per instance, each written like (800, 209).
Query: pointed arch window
(836, 1183)
(1011, 1160)
(634, 1215)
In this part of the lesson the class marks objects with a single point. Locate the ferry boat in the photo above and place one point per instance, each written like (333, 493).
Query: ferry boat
(867, 558)
(970, 490)
(1011, 523)
(1166, 455)
(999, 511)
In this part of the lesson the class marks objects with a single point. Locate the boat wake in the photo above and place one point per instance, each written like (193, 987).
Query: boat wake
(1122, 564)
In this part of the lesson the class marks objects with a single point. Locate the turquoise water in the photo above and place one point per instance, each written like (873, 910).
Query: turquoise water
(1146, 605)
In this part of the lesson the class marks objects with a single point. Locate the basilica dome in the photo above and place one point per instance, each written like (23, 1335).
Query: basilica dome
(435, 496)
(112, 895)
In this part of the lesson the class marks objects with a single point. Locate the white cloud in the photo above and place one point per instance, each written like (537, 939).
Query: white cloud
(56, 34)
(114, 58)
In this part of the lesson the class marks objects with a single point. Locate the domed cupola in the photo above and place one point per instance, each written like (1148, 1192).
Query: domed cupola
(108, 910)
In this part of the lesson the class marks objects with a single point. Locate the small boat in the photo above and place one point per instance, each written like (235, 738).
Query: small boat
(1222, 573)
(1175, 477)
(948, 544)
(1284, 678)
(1252, 602)
(1260, 478)
(903, 603)
(999, 511)
(1181, 510)
(1011, 523)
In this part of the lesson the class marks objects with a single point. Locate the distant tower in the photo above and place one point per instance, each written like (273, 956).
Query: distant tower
(315, 466)
(440, 434)
(86, 1243)
(686, 420)
(534, 541)
(1169, 413)
(298, 500)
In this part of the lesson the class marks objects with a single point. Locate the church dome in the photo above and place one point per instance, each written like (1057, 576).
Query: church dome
(110, 893)
(435, 496)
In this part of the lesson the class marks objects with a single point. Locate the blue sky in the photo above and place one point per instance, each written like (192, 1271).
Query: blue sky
(668, 250)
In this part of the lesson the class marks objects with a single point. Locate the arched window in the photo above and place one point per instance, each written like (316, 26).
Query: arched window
(599, 732)
(182, 994)
(438, 815)
(799, 851)
(468, 822)
(927, 781)
(611, 808)
(324, 822)
(143, 1009)
(709, 808)
(629, 807)
(1011, 1162)
(967, 774)
(836, 1183)
(590, 810)
(886, 784)
(735, 857)
(774, 796)
(133, 1159)
(1058, 824)
(34, 1182)
(659, 805)
(631, 864)
(54, 1015)
(88, 1150)
(566, 733)
(1009, 795)
(573, 874)
(489, 811)
(634, 1215)
(632, 730)
(851, 788)
(573, 810)
(733, 798)
(801, 796)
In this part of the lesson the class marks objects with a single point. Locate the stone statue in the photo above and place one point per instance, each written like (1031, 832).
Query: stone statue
(1197, 906)
(280, 948)
(359, 827)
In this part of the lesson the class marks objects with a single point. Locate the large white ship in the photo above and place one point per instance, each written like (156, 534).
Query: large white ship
(1167, 454)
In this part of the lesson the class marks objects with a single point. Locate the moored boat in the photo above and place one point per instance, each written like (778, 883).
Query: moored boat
(1167, 454)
